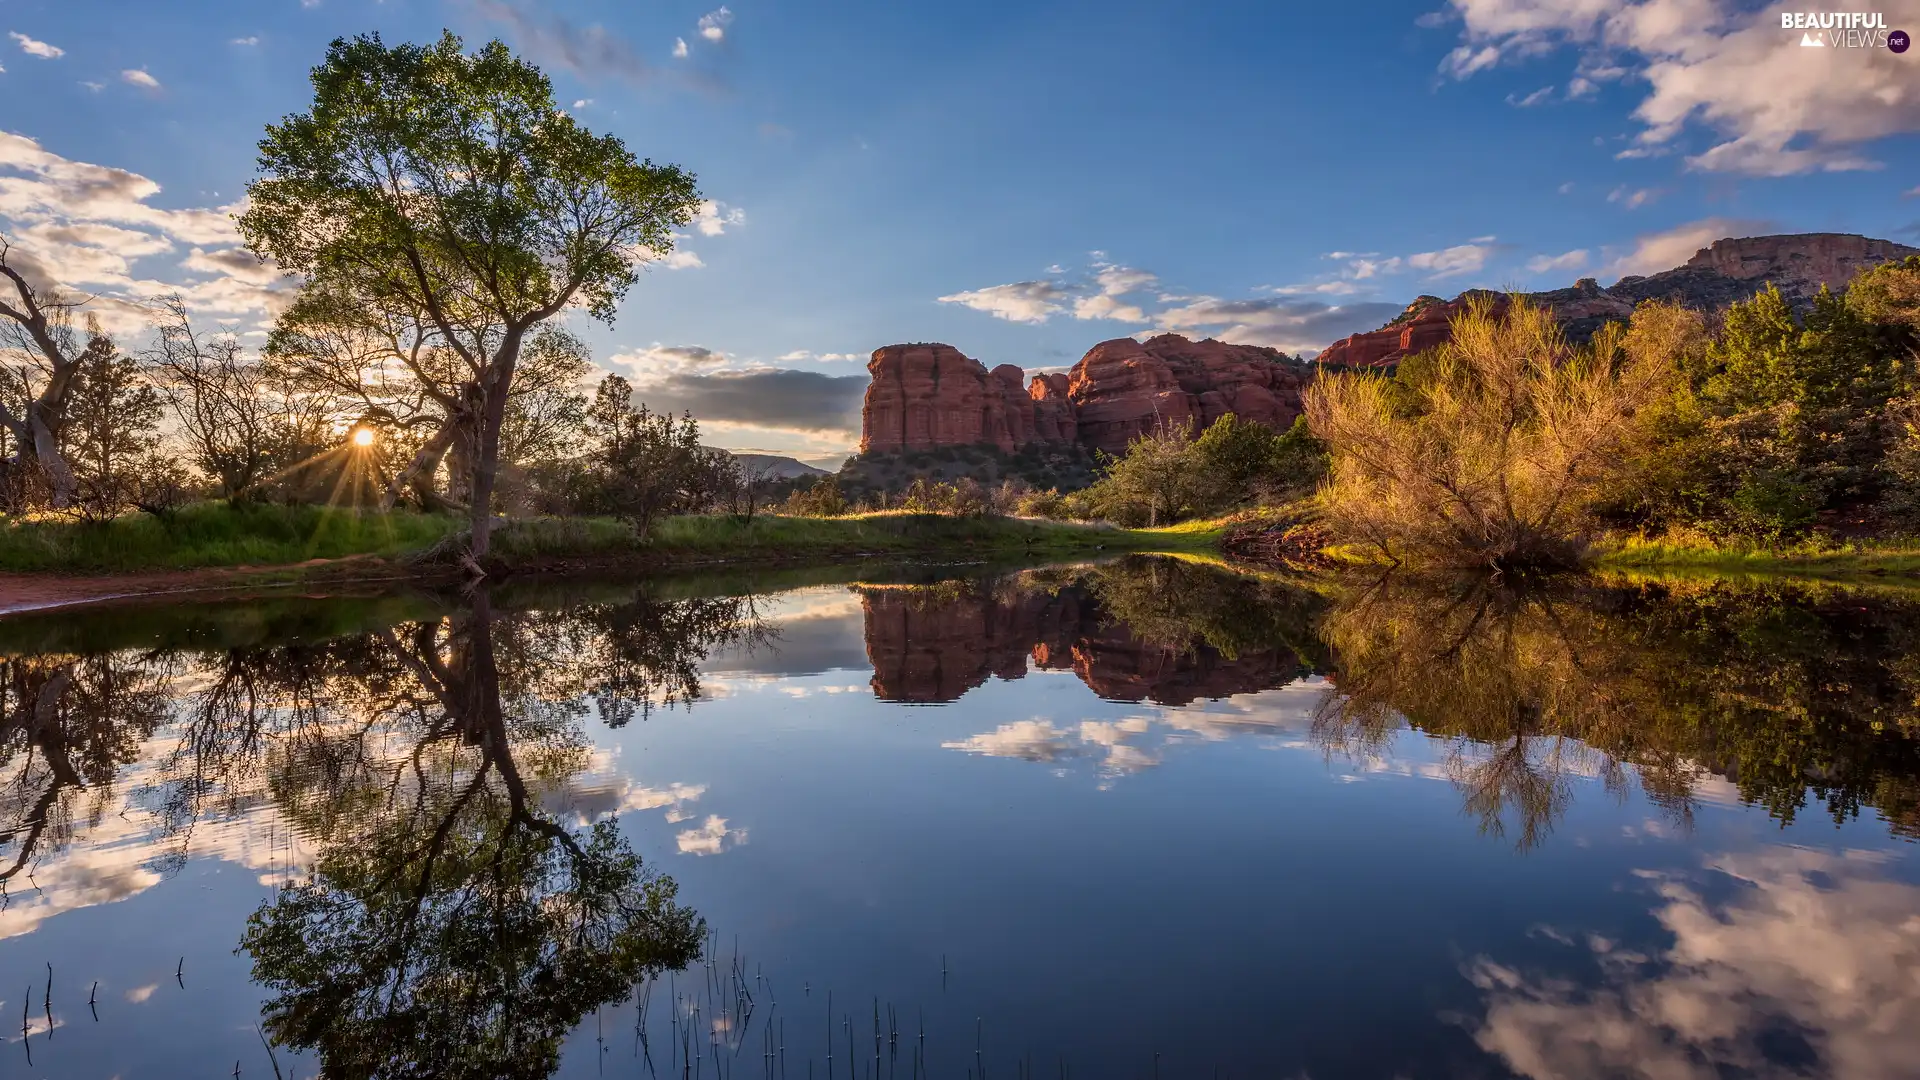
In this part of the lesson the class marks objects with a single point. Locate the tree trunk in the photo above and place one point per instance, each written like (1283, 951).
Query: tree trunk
(419, 472)
(486, 457)
(46, 450)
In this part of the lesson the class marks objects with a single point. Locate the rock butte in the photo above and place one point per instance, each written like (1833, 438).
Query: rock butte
(929, 395)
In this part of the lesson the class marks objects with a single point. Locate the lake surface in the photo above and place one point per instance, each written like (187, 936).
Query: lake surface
(1142, 819)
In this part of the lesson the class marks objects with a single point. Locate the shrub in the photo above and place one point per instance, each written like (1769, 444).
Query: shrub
(1496, 455)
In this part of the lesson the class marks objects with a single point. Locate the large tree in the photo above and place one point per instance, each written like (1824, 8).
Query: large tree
(429, 181)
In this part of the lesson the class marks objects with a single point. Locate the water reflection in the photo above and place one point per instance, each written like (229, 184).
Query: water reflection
(1156, 630)
(1782, 963)
(435, 789)
(1791, 695)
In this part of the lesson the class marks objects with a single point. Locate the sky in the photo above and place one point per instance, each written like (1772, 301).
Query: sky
(1018, 180)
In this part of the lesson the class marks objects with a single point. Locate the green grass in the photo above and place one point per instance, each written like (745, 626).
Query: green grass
(213, 534)
(706, 539)
(1813, 559)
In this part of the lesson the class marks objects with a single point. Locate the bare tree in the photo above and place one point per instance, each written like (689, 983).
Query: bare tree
(219, 397)
(37, 322)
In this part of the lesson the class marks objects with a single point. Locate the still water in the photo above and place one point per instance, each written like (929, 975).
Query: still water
(1143, 819)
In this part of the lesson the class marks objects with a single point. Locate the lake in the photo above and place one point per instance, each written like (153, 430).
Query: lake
(1147, 818)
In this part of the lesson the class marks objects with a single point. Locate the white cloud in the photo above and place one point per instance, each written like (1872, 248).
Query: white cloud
(248, 40)
(682, 259)
(1449, 262)
(714, 218)
(1019, 301)
(139, 77)
(90, 84)
(1813, 948)
(37, 48)
(1773, 108)
(1632, 198)
(141, 993)
(1654, 252)
(84, 227)
(657, 360)
(712, 837)
(1532, 99)
(1571, 260)
(1027, 740)
(1104, 306)
(799, 355)
(713, 25)
(581, 103)
(1293, 324)
(680, 48)
(1566, 188)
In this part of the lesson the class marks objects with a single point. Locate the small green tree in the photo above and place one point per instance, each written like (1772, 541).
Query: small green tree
(1155, 483)
(450, 188)
(111, 429)
(644, 464)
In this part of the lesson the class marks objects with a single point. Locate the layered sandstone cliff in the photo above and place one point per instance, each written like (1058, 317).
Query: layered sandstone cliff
(930, 395)
(1720, 274)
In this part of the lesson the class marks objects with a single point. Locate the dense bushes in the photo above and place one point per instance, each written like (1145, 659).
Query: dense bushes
(1509, 447)
(1168, 475)
(1489, 453)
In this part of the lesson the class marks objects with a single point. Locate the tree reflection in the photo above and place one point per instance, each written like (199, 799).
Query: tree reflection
(1789, 695)
(452, 926)
(68, 725)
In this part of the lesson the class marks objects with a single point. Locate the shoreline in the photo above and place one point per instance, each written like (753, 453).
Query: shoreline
(565, 548)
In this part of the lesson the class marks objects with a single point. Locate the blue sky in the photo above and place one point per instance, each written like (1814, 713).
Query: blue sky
(1020, 180)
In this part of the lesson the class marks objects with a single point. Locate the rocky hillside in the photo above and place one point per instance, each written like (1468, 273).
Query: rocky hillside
(1729, 270)
(926, 396)
(929, 396)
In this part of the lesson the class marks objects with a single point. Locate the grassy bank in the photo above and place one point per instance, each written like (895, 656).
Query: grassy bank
(215, 536)
(778, 540)
(1807, 559)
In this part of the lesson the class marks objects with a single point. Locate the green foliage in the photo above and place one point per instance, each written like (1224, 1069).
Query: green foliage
(215, 534)
(1780, 419)
(963, 498)
(111, 435)
(449, 194)
(644, 464)
(1493, 457)
(822, 498)
(1168, 476)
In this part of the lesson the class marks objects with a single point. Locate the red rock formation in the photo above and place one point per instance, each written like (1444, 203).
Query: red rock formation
(924, 396)
(1125, 388)
(1423, 325)
(1054, 420)
(932, 395)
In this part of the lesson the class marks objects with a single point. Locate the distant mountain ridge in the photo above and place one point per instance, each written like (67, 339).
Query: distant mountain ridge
(1798, 264)
(775, 466)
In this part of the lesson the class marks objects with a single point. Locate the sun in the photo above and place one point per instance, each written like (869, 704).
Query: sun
(363, 436)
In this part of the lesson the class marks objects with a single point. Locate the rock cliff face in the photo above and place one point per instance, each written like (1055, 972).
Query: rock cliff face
(1717, 275)
(930, 649)
(927, 396)
(1124, 388)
